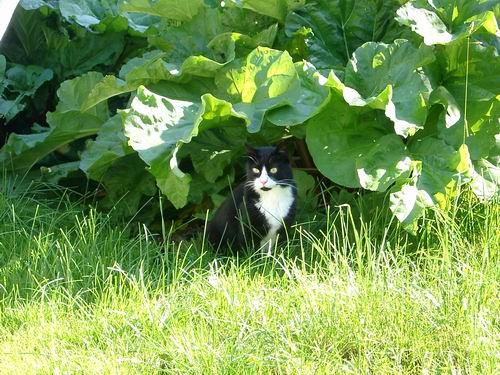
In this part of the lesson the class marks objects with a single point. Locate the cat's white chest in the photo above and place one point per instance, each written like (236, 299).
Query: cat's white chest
(275, 205)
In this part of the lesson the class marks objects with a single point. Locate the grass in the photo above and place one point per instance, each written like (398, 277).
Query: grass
(79, 295)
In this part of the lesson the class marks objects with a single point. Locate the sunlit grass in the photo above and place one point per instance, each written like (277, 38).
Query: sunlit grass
(349, 296)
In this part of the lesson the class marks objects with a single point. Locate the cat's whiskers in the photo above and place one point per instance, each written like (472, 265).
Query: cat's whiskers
(286, 184)
(249, 184)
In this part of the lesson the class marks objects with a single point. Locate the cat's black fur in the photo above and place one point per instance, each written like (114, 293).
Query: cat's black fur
(238, 222)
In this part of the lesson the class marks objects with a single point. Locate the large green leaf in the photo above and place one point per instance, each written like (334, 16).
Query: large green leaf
(91, 13)
(35, 4)
(55, 173)
(108, 87)
(153, 67)
(355, 147)
(126, 181)
(380, 166)
(155, 125)
(32, 41)
(20, 83)
(442, 21)
(141, 22)
(440, 95)
(110, 144)
(442, 167)
(242, 20)
(305, 188)
(437, 172)
(327, 32)
(273, 8)
(181, 10)
(408, 203)
(73, 93)
(27, 28)
(214, 149)
(259, 83)
(21, 152)
(67, 124)
(26, 79)
(486, 179)
(267, 80)
(387, 76)
(192, 91)
(86, 52)
(467, 74)
(304, 102)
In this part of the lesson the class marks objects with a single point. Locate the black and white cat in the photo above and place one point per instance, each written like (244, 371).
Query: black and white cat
(260, 209)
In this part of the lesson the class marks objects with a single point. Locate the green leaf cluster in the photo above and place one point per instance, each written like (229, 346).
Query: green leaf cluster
(397, 96)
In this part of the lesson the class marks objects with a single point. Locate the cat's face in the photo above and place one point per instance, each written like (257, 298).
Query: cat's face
(267, 168)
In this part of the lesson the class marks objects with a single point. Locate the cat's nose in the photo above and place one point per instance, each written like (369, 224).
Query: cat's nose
(263, 180)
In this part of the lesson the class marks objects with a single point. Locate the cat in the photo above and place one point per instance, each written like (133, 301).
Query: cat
(262, 207)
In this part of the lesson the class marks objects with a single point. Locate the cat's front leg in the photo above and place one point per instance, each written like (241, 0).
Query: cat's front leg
(267, 245)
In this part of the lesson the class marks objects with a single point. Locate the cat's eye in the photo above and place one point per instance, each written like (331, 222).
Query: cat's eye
(255, 170)
(273, 170)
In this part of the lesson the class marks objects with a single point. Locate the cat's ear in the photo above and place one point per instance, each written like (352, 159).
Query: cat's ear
(281, 149)
(251, 151)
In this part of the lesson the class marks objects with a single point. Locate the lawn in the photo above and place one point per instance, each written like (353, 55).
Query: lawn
(83, 292)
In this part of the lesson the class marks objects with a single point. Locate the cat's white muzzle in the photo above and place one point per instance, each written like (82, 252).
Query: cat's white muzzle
(264, 181)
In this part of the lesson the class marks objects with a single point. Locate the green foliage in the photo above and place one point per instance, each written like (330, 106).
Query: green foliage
(391, 96)
(327, 32)
(390, 81)
(17, 84)
(442, 21)
(358, 149)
